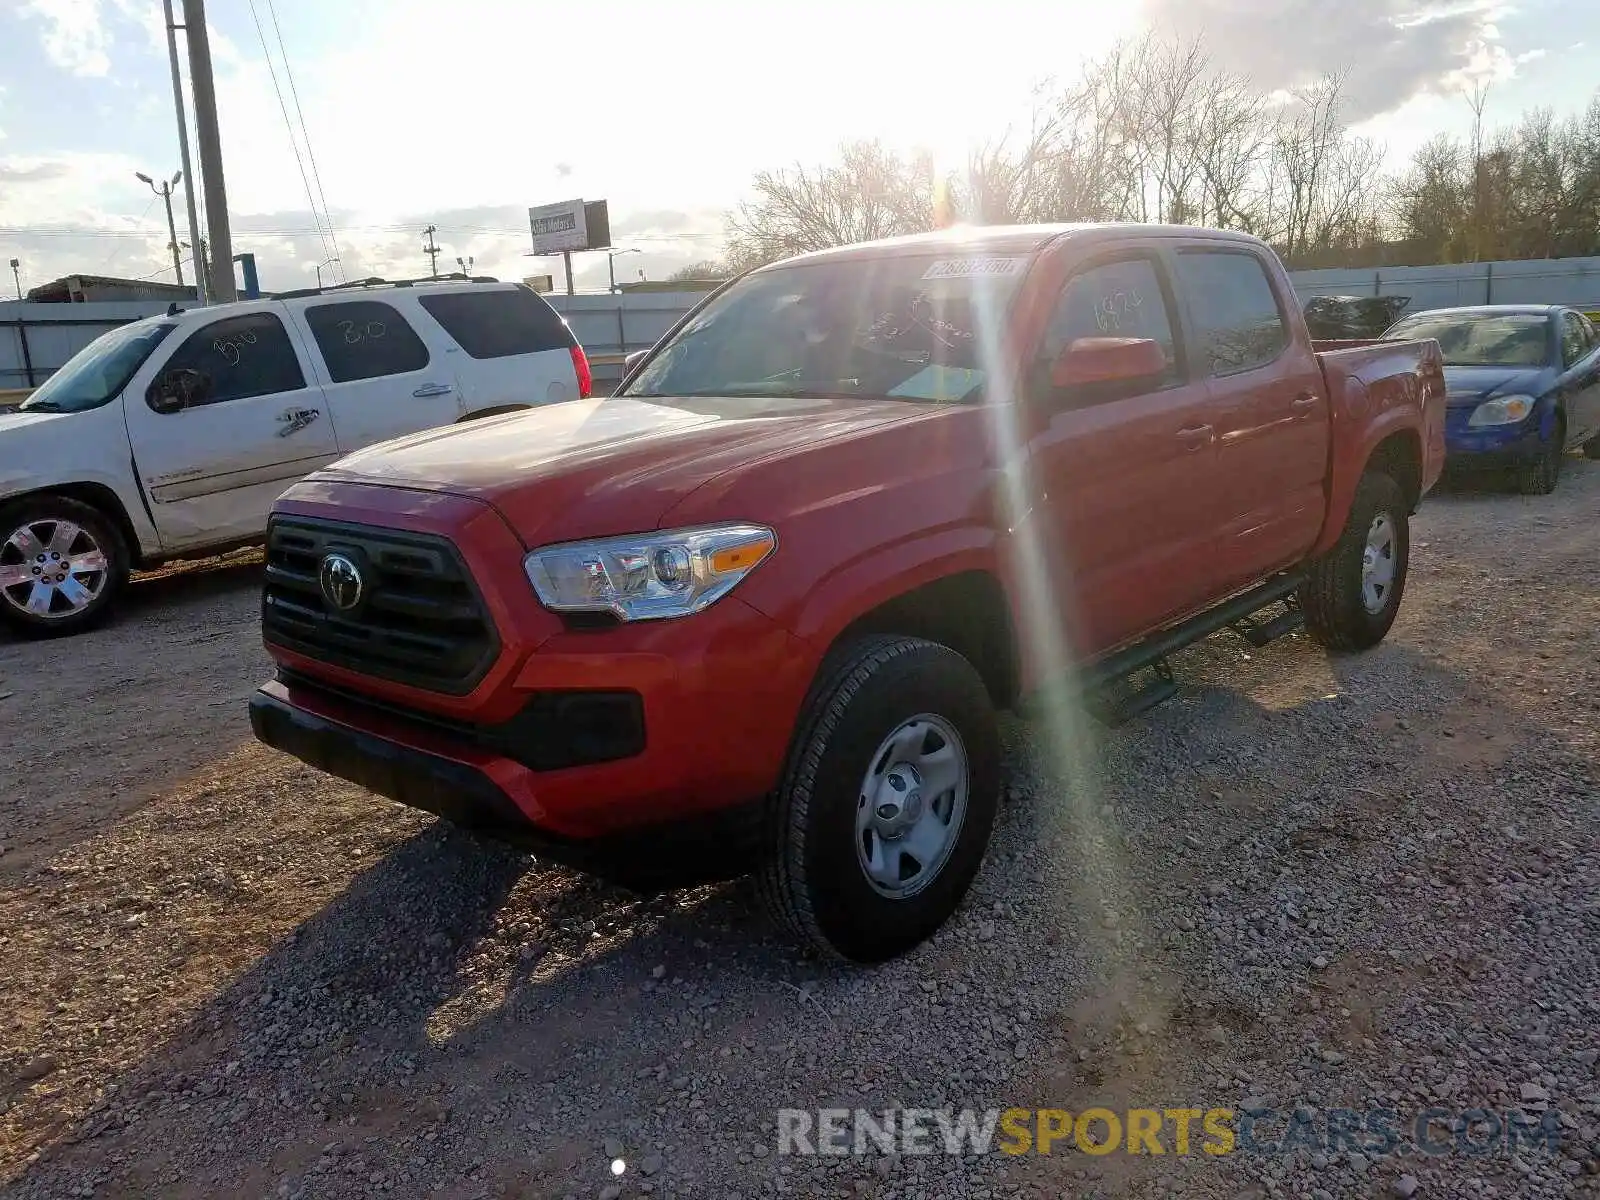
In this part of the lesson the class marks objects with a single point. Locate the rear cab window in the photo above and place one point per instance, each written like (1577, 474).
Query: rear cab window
(365, 339)
(498, 322)
(1237, 320)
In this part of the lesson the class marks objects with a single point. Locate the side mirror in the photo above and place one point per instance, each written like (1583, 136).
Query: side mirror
(178, 389)
(1101, 360)
(632, 361)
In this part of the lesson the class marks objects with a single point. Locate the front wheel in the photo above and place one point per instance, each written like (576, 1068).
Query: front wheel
(886, 808)
(62, 564)
(1352, 594)
(1539, 477)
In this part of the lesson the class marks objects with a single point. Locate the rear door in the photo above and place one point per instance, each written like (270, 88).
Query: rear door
(1270, 406)
(212, 470)
(515, 350)
(1128, 481)
(1580, 381)
(381, 375)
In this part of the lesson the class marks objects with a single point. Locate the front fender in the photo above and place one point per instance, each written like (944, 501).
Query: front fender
(18, 482)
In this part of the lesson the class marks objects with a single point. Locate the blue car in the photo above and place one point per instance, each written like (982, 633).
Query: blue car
(1523, 386)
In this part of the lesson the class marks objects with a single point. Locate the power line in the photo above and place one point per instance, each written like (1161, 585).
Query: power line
(413, 227)
(289, 128)
(117, 253)
(327, 214)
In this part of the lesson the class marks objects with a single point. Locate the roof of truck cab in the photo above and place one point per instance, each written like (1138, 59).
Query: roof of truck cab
(1003, 239)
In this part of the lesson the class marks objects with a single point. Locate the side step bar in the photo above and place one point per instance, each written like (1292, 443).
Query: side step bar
(1154, 650)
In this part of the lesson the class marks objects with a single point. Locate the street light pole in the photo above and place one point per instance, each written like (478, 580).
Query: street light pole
(187, 168)
(165, 192)
(611, 265)
(326, 263)
(465, 264)
(16, 277)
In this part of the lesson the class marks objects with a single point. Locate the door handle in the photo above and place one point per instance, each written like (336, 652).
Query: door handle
(1195, 437)
(433, 389)
(1304, 400)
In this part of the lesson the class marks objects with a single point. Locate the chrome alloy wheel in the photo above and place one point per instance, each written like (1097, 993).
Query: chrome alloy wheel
(913, 801)
(51, 568)
(1378, 564)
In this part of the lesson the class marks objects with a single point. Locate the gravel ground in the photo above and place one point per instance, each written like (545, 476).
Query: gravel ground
(1369, 882)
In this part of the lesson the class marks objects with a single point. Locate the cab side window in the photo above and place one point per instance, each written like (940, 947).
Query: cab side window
(1120, 299)
(1574, 342)
(1235, 311)
(244, 356)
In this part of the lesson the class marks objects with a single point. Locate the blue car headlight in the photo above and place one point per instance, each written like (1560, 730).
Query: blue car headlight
(1502, 410)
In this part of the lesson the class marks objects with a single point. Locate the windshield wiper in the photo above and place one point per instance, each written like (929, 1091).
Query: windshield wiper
(40, 406)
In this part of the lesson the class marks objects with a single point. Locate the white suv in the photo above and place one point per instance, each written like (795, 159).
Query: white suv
(171, 437)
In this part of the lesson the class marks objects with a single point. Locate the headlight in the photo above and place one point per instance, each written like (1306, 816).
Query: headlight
(648, 576)
(1505, 410)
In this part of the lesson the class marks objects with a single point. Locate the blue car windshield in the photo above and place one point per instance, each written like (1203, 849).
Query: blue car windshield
(916, 328)
(1482, 340)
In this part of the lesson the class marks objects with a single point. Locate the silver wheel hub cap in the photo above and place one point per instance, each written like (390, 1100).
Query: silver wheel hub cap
(1378, 564)
(912, 803)
(51, 568)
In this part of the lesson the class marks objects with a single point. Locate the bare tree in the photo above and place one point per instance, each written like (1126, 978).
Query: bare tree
(705, 269)
(870, 193)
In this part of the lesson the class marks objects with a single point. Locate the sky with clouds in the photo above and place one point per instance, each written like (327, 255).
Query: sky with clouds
(463, 114)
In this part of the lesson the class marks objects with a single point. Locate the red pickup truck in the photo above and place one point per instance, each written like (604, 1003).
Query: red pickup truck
(757, 611)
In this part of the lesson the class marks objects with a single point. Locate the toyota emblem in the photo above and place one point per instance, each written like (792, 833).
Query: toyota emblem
(342, 585)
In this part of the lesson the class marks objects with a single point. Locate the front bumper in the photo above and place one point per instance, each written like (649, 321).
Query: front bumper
(1491, 447)
(716, 696)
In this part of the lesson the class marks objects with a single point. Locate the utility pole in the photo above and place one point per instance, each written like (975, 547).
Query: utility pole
(209, 137)
(16, 278)
(165, 192)
(187, 170)
(432, 251)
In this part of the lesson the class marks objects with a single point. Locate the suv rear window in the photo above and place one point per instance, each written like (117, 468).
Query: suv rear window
(365, 339)
(498, 323)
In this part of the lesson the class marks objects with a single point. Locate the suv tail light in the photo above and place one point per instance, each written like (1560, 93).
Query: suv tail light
(580, 364)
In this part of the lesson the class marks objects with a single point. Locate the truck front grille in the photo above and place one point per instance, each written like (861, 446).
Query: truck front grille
(414, 617)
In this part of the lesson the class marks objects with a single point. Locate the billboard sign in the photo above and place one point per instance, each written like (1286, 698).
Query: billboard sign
(540, 283)
(569, 226)
(559, 227)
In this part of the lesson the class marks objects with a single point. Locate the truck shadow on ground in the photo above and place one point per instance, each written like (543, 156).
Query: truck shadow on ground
(454, 974)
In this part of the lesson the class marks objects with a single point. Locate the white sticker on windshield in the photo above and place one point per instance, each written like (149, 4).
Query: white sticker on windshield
(973, 268)
(941, 384)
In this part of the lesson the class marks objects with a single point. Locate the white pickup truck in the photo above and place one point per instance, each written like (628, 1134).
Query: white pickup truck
(170, 437)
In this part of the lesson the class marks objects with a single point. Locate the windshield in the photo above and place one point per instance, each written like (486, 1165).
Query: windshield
(896, 328)
(99, 371)
(1486, 340)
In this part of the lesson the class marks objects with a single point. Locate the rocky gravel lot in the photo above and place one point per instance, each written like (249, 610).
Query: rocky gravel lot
(1307, 883)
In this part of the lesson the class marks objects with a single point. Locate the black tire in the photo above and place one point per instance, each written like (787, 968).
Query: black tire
(1332, 595)
(812, 881)
(49, 509)
(1591, 448)
(1539, 477)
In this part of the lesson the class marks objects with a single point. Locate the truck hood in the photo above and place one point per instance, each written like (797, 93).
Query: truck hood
(593, 468)
(12, 421)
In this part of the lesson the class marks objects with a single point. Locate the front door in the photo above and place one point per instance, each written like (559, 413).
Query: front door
(381, 378)
(212, 470)
(1271, 410)
(1128, 480)
(1580, 381)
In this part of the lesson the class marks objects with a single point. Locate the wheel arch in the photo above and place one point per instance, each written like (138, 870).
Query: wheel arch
(965, 610)
(97, 496)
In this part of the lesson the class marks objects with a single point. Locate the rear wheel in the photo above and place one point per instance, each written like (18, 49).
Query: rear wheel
(887, 805)
(1538, 477)
(62, 564)
(1352, 594)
